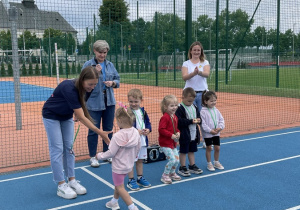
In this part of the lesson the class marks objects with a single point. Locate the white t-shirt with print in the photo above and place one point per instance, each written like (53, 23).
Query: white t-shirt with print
(198, 83)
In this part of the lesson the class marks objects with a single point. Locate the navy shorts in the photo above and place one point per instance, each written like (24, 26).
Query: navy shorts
(215, 140)
(189, 147)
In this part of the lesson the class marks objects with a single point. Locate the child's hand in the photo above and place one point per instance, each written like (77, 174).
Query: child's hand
(196, 121)
(146, 131)
(174, 137)
(141, 132)
(178, 135)
(213, 132)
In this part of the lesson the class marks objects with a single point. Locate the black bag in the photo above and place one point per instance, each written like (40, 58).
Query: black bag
(154, 154)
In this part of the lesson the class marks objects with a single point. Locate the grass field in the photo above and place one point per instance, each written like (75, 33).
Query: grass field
(246, 81)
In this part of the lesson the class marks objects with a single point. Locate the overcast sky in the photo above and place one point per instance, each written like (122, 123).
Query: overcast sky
(79, 13)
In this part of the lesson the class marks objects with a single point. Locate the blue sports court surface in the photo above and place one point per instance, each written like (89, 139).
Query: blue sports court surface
(29, 93)
(261, 172)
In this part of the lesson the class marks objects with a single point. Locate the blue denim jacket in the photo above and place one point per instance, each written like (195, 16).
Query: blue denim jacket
(96, 99)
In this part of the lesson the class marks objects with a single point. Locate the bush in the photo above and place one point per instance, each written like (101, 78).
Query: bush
(54, 68)
(122, 67)
(30, 70)
(73, 68)
(24, 71)
(142, 67)
(78, 68)
(10, 71)
(2, 71)
(127, 66)
(60, 69)
(67, 69)
(37, 69)
(137, 66)
(44, 69)
(132, 66)
(146, 67)
(151, 67)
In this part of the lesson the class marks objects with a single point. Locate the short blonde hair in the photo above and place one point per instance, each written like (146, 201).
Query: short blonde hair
(135, 93)
(166, 101)
(101, 45)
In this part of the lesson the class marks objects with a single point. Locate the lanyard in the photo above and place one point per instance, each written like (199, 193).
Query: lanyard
(141, 123)
(192, 114)
(173, 124)
(213, 118)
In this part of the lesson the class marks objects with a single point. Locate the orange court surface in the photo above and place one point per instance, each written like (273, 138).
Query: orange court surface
(28, 147)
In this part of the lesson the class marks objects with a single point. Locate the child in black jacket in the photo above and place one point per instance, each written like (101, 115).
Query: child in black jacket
(188, 121)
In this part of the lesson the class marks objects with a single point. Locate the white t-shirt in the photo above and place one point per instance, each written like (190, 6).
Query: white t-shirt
(140, 125)
(191, 114)
(198, 83)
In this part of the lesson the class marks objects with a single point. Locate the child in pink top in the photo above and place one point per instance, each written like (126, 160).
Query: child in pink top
(123, 149)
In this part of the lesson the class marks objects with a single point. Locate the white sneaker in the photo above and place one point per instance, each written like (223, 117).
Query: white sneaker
(218, 165)
(112, 206)
(94, 162)
(78, 188)
(204, 145)
(210, 167)
(65, 191)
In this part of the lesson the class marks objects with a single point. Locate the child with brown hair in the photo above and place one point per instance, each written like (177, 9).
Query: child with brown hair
(188, 121)
(212, 124)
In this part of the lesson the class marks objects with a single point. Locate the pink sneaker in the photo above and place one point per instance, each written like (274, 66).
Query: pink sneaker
(112, 206)
(166, 179)
(175, 177)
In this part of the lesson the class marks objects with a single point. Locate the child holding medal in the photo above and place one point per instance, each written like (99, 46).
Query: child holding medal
(188, 117)
(143, 125)
(212, 124)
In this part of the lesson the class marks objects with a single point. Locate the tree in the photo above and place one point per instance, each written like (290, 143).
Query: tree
(31, 41)
(56, 36)
(5, 40)
(110, 11)
(238, 23)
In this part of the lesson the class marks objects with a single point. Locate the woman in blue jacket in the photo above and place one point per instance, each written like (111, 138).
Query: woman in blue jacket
(101, 103)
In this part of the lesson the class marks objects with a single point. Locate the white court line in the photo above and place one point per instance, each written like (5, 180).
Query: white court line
(33, 175)
(255, 138)
(294, 208)
(102, 198)
(186, 180)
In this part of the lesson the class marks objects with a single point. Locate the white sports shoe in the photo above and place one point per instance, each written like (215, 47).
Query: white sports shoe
(94, 162)
(78, 188)
(65, 191)
(112, 206)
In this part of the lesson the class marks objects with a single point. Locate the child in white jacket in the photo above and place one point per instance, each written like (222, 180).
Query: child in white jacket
(212, 124)
(123, 149)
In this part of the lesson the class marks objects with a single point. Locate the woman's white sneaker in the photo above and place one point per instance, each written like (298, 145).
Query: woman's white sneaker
(65, 191)
(78, 188)
(94, 162)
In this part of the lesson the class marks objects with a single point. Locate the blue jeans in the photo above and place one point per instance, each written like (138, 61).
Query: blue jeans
(107, 125)
(198, 101)
(60, 139)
